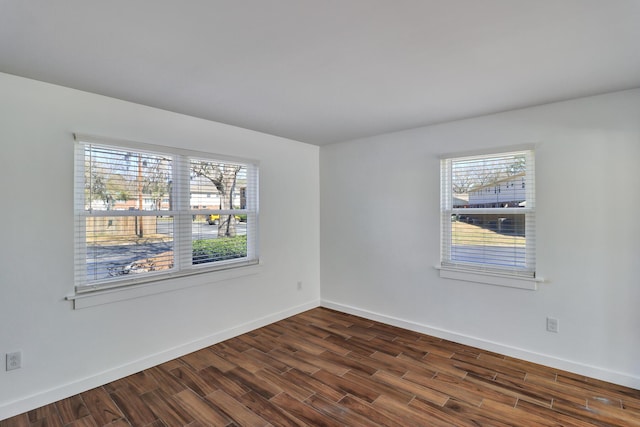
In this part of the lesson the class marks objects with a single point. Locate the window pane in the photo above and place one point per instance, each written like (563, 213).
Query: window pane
(214, 187)
(212, 243)
(126, 245)
(489, 182)
(493, 239)
(125, 180)
(217, 185)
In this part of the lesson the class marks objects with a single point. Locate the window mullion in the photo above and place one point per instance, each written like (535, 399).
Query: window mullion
(183, 220)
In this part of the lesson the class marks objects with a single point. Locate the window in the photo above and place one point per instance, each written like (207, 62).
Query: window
(488, 217)
(144, 213)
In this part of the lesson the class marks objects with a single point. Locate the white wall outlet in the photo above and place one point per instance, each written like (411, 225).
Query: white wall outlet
(299, 285)
(14, 360)
(553, 324)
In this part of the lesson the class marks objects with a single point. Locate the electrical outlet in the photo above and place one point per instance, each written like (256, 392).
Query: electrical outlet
(299, 285)
(553, 324)
(14, 360)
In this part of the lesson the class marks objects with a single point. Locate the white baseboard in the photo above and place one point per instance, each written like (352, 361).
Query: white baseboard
(603, 374)
(24, 404)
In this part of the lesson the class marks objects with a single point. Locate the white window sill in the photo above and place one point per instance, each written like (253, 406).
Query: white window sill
(507, 280)
(107, 296)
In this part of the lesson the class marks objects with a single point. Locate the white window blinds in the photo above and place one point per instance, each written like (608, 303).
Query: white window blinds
(147, 212)
(488, 213)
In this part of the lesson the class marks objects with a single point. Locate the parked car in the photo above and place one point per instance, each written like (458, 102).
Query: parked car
(214, 219)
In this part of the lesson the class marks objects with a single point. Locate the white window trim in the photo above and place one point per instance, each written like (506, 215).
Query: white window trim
(155, 286)
(520, 279)
(160, 282)
(506, 280)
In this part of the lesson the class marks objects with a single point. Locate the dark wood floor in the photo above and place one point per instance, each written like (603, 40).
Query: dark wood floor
(325, 368)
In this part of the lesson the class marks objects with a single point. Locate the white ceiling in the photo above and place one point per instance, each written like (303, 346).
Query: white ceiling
(326, 71)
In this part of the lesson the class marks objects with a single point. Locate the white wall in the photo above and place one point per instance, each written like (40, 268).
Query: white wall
(380, 235)
(65, 350)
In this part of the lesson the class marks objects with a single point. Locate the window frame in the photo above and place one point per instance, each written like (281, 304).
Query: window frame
(182, 214)
(486, 273)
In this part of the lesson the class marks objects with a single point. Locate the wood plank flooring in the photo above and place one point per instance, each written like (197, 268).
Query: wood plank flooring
(325, 368)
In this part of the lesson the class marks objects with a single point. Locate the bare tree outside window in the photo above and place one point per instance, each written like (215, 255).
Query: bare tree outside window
(224, 177)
